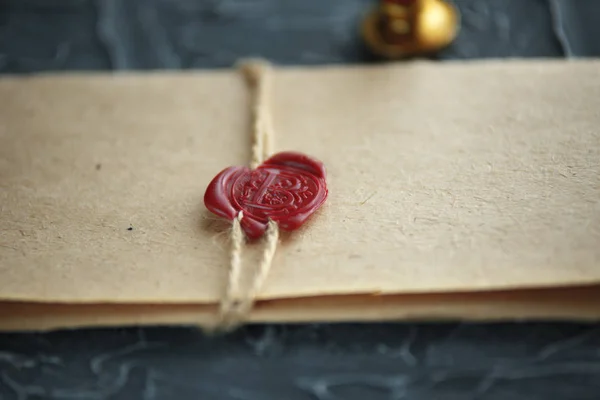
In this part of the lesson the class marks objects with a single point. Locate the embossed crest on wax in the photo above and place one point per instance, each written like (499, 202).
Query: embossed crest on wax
(286, 188)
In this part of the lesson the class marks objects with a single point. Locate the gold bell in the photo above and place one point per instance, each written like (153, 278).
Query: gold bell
(403, 28)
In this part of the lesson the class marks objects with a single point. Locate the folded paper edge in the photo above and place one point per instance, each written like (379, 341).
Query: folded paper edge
(564, 304)
(230, 71)
(333, 293)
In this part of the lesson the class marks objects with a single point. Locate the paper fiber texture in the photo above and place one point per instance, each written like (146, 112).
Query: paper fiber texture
(442, 177)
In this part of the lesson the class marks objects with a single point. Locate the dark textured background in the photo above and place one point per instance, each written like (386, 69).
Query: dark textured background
(527, 361)
(54, 35)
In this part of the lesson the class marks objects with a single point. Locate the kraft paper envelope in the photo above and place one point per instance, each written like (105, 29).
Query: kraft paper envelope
(443, 178)
(576, 303)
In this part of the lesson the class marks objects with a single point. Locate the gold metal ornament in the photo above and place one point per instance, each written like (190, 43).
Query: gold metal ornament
(403, 28)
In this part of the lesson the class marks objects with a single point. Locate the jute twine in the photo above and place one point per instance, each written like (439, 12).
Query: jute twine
(237, 302)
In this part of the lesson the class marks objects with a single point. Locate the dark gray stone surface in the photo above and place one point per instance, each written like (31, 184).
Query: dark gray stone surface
(577, 26)
(512, 361)
(307, 362)
(38, 35)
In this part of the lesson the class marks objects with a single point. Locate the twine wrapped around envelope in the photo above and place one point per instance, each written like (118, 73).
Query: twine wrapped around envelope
(236, 302)
(457, 190)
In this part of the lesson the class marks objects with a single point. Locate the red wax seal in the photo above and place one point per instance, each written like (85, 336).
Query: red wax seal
(287, 188)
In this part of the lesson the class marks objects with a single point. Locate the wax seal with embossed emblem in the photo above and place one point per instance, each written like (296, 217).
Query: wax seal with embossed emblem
(287, 188)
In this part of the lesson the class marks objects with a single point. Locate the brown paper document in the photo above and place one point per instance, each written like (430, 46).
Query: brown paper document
(451, 177)
(578, 303)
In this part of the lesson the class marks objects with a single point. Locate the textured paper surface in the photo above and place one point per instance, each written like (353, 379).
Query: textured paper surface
(443, 177)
